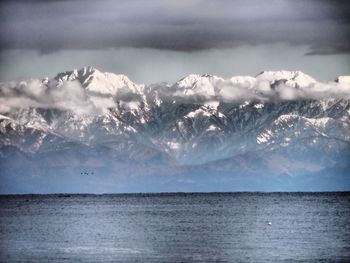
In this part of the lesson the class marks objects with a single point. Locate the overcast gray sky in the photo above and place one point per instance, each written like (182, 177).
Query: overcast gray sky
(163, 40)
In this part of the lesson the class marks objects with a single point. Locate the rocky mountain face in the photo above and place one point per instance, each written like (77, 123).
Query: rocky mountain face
(89, 131)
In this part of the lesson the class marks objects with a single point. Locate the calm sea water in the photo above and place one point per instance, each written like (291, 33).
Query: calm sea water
(229, 227)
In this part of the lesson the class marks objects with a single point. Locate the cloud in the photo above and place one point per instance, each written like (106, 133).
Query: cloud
(69, 95)
(231, 91)
(188, 25)
(316, 91)
(193, 89)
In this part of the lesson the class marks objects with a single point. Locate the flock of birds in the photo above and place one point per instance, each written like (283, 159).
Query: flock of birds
(87, 173)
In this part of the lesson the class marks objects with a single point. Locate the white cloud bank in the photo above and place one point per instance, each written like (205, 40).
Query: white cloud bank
(267, 86)
(77, 98)
(69, 95)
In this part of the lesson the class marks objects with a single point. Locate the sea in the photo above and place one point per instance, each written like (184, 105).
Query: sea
(176, 227)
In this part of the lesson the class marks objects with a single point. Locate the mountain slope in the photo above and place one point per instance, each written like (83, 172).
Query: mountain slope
(131, 137)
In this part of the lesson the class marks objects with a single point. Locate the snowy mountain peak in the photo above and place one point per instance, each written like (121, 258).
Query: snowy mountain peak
(190, 80)
(199, 85)
(279, 74)
(88, 70)
(293, 78)
(202, 124)
(96, 81)
(243, 80)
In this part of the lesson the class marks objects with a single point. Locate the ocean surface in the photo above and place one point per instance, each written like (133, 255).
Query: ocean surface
(179, 227)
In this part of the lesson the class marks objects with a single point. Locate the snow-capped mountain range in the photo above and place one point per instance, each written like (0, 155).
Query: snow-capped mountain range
(205, 128)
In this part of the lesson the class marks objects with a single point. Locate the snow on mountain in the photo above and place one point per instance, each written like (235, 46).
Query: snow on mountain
(292, 78)
(198, 120)
(246, 81)
(193, 81)
(97, 82)
(26, 137)
(197, 86)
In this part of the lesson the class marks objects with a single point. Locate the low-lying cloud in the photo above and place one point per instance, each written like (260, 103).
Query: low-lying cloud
(195, 89)
(240, 89)
(69, 95)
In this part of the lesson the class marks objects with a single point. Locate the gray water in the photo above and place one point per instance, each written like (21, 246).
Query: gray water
(229, 227)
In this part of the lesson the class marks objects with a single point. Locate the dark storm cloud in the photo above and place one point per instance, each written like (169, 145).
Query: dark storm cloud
(174, 25)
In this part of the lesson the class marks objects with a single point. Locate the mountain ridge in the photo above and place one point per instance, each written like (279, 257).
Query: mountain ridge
(198, 129)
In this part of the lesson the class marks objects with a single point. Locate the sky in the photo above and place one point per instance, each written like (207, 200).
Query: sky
(164, 40)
